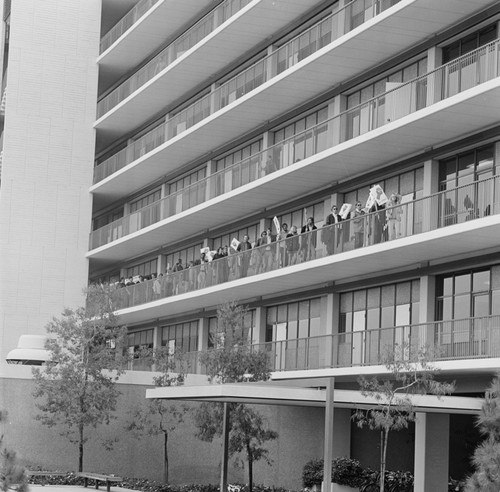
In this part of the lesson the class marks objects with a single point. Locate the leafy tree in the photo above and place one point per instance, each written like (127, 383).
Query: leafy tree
(393, 408)
(76, 388)
(157, 417)
(12, 474)
(486, 457)
(233, 361)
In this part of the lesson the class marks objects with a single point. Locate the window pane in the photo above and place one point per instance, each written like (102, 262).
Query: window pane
(359, 300)
(481, 281)
(403, 291)
(373, 298)
(462, 283)
(388, 295)
(461, 307)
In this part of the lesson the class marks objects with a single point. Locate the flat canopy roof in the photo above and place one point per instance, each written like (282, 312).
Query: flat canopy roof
(296, 396)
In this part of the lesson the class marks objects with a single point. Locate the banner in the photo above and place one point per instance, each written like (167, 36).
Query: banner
(277, 225)
(345, 210)
(378, 195)
(234, 244)
(204, 250)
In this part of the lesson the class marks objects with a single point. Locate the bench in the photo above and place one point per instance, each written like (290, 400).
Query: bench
(97, 477)
(45, 474)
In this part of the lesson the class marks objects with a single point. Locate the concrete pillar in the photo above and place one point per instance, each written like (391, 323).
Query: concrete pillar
(211, 188)
(260, 325)
(435, 81)
(432, 438)
(329, 326)
(329, 432)
(426, 311)
(271, 66)
(203, 334)
(431, 206)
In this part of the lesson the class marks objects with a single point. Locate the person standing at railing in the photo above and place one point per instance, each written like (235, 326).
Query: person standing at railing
(358, 225)
(244, 246)
(393, 217)
(332, 230)
(292, 245)
(177, 277)
(281, 250)
(308, 239)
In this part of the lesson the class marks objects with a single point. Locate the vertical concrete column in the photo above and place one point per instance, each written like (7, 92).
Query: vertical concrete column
(211, 188)
(163, 202)
(214, 105)
(329, 326)
(329, 433)
(435, 80)
(271, 67)
(339, 27)
(160, 268)
(432, 208)
(432, 438)
(123, 272)
(426, 311)
(260, 325)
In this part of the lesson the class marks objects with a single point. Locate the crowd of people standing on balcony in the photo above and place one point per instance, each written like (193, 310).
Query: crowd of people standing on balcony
(344, 229)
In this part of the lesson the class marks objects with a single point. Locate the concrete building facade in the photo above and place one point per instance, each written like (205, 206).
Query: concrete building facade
(139, 135)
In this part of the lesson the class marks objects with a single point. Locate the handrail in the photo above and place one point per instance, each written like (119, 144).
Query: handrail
(411, 96)
(188, 39)
(285, 57)
(126, 22)
(458, 205)
(465, 338)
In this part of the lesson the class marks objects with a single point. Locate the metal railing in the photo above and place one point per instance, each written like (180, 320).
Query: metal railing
(458, 205)
(126, 22)
(174, 50)
(446, 340)
(469, 338)
(288, 55)
(435, 86)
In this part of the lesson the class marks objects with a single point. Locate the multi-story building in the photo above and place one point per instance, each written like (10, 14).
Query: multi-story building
(219, 119)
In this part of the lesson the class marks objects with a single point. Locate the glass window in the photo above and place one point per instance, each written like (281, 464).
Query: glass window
(187, 255)
(248, 326)
(145, 200)
(469, 43)
(282, 322)
(181, 336)
(145, 269)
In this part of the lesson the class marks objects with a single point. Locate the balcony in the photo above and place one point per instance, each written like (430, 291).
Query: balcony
(290, 76)
(448, 100)
(235, 25)
(450, 340)
(452, 222)
(143, 29)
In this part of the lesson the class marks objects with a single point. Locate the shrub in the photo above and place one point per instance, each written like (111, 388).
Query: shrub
(345, 471)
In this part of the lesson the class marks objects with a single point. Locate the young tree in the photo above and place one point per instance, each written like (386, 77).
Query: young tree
(157, 417)
(76, 388)
(12, 474)
(233, 361)
(486, 457)
(394, 410)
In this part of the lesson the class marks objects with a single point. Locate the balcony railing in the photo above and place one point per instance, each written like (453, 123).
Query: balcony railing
(173, 51)
(472, 69)
(288, 55)
(469, 338)
(458, 205)
(126, 22)
(461, 339)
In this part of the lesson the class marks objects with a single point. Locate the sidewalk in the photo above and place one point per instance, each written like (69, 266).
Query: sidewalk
(73, 488)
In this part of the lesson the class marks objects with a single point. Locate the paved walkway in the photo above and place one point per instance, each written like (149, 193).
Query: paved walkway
(73, 488)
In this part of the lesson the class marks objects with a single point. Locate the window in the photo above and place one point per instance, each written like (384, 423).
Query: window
(293, 320)
(248, 328)
(181, 336)
(300, 140)
(299, 216)
(465, 302)
(375, 320)
(144, 211)
(107, 218)
(187, 255)
(393, 106)
(146, 268)
(247, 159)
(409, 186)
(468, 191)
(186, 192)
(137, 342)
(469, 43)
(225, 240)
(145, 200)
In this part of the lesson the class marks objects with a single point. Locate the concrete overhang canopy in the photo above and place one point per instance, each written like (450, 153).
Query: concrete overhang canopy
(295, 396)
(30, 351)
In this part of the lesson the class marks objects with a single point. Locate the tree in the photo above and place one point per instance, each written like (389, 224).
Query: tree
(157, 417)
(12, 474)
(76, 388)
(393, 408)
(486, 457)
(233, 361)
